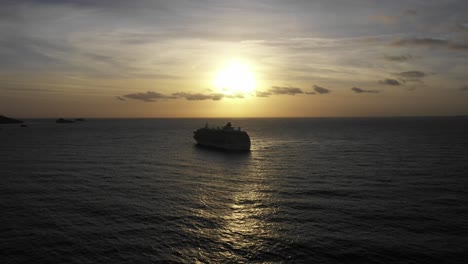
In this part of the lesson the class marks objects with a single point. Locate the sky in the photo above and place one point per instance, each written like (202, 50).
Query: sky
(295, 58)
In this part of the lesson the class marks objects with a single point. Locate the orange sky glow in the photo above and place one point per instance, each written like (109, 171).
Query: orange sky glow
(233, 59)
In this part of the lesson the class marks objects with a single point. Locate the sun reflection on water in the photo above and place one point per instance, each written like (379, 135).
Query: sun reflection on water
(233, 219)
(245, 226)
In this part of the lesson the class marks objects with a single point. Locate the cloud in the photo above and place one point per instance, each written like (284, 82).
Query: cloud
(240, 96)
(420, 42)
(390, 82)
(431, 43)
(360, 90)
(262, 94)
(28, 52)
(148, 96)
(411, 74)
(155, 96)
(154, 76)
(198, 96)
(101, 58)
(321, 90)
(400, 58)
(285, 90)
(280, 90)
(464, 88)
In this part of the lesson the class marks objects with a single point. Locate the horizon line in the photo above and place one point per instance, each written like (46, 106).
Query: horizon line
(251, 117)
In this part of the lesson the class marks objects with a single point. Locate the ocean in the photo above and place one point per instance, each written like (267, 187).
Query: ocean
(312, 190)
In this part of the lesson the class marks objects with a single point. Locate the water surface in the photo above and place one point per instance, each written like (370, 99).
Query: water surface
(316, 190)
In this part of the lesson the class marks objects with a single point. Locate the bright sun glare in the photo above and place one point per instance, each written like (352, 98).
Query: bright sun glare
(235, 78)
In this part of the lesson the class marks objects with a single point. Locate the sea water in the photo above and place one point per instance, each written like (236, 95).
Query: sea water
(312, 190)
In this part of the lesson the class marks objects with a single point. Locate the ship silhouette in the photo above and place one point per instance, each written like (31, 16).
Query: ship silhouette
(226, 138)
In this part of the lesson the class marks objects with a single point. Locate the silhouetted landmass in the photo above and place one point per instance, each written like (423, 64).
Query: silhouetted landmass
(63, 121)
(7, 120)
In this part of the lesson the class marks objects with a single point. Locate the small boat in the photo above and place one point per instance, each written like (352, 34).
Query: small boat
(227, 138)
(64, 121)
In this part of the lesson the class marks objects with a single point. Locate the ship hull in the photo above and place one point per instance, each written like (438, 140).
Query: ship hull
(222, 140)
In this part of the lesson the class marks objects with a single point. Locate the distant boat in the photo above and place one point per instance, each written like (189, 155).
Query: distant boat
(7, 120)
(63, 121)
(80, 119)
(227, 138)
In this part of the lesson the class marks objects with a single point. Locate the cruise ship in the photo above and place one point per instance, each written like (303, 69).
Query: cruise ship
(227, 138)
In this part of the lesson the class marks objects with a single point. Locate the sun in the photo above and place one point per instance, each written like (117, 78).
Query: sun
(235, 78)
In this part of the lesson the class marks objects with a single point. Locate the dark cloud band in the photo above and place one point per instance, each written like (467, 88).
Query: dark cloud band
(280, 90)
(412, 74)
(392, 82)
(321, 90)
(360, 90)
(432, 43)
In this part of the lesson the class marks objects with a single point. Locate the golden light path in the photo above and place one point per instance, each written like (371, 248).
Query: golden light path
(236, 77)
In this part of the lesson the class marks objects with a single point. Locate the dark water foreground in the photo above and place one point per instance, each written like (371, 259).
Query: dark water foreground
(391, 190)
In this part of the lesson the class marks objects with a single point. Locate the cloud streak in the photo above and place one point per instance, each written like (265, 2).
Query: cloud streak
(274, 90)
(401, 58)
(280, 90)
(198, 96)
(360, 90)
(151, 96)
(321, 90)
(148, 96)
(285, 90)
(262, 94)
(391, 82)
(411, 74)
(430, 43)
